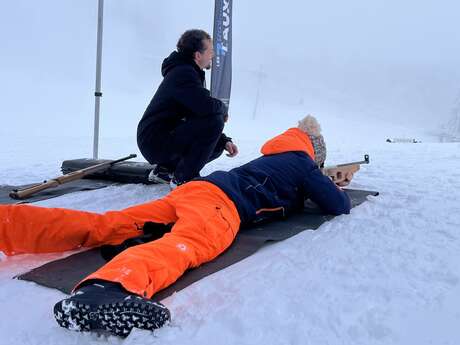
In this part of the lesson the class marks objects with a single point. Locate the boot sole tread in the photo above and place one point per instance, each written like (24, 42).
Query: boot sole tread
(117, 318)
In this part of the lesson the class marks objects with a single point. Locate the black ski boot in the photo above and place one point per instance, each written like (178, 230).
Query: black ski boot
(107, 306)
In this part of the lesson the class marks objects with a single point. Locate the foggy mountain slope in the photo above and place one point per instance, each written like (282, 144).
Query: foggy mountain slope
(360, 60)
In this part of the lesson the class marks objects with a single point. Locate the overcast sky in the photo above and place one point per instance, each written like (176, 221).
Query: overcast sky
(376, 59)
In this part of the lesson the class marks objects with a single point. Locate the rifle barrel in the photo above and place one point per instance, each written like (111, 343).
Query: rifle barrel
(365, 161)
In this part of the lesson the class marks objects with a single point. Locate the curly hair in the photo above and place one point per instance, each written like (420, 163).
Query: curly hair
(191, 41)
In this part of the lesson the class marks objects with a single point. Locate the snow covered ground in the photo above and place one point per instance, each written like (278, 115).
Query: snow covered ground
(370, 70)
(385, 274)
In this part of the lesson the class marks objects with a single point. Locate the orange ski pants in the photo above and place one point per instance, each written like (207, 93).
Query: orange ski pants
(206, 223)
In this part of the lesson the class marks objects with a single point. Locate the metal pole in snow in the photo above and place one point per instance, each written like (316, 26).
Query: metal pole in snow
(260, 76)
(97, 92)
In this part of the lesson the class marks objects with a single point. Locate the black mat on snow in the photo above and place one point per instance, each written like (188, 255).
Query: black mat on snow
(65, 273)
(70, 187)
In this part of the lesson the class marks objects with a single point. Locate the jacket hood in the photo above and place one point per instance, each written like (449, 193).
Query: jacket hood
(177, 59)
(291, 140)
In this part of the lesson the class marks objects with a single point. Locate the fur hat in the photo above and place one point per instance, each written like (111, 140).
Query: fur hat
(310, 125)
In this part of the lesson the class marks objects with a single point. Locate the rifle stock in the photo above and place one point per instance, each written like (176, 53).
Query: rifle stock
(338, 172)
(75, 175)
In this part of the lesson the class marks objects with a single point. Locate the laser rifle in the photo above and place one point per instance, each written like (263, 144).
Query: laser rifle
(338, 173)
(72, 176)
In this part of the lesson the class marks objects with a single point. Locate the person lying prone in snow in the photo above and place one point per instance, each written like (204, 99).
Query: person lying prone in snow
(206, 212)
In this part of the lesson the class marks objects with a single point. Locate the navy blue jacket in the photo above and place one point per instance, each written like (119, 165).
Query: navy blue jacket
(278, 184)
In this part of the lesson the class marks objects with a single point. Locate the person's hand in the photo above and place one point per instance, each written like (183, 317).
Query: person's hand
(225, 118)
(346, 181)
(231, 148)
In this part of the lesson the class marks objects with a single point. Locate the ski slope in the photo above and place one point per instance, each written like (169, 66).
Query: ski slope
(385, 274)
(388, 273)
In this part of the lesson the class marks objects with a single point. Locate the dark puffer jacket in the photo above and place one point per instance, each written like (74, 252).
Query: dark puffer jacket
(181, 95)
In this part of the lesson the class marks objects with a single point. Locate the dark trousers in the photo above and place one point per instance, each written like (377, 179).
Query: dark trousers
(186, 149)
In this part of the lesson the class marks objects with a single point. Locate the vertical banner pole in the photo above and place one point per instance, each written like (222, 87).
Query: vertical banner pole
(97, 92)
(221, 74)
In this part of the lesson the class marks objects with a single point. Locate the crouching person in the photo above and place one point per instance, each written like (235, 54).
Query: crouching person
(207, 214)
